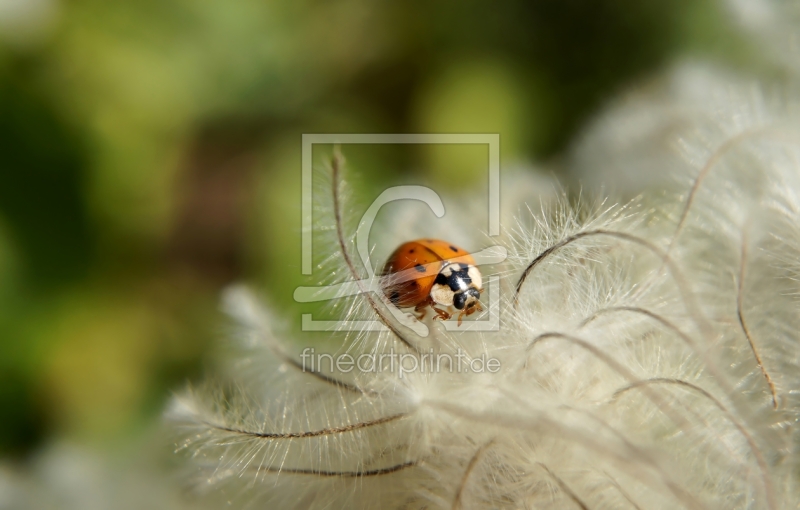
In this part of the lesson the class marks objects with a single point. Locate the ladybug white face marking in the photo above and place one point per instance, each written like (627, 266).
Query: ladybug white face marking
(475, 276)
(457, 285)
(441, 294)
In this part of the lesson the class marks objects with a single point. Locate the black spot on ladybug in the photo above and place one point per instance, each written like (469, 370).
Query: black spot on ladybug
(395, 297)
(458, 281)
(420, 268)
(455, 250)
(411, 250)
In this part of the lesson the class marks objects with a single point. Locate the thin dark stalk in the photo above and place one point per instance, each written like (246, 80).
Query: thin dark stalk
(289, 360)
(470, 467)
(564, 487)
(310, 433)
(645, 456)
(258, 326)
(712, 367)
(642, 311)
(519, 423)
(709, 165)
(743, 324)
(339, 474)
(625, 495)
(612, 363)
(762, 463)
(688, 298)
(336, 164)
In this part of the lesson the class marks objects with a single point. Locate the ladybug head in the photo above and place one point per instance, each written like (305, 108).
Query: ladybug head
(467, 300)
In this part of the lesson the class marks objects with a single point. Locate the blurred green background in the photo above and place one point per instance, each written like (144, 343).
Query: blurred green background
(150, 155)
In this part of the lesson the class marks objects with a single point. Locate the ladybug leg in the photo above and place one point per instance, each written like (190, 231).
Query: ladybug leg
(421, 310)
(478, 305)
(476, 308)
(440, 314)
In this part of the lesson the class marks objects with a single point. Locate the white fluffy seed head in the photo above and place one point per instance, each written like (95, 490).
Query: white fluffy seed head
(648, 358)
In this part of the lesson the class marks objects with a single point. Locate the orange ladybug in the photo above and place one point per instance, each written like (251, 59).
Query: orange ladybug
(430, 272)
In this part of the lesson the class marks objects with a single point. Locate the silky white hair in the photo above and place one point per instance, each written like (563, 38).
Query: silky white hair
(649, 357)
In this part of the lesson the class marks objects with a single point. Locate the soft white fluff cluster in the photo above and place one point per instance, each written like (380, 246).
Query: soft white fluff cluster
(772, 24)
(649, 353)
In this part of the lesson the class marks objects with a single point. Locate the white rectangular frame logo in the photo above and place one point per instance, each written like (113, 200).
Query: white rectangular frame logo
(490, 139)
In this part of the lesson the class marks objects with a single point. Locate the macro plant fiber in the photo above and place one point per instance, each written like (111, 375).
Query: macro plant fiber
(649, 354)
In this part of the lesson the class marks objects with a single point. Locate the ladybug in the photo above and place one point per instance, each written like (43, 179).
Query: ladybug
(431, 272)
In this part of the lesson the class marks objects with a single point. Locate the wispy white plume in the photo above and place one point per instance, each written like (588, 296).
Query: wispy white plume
(649, 354)
(772, 24)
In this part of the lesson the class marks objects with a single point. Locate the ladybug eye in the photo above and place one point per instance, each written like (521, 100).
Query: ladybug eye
(466, 299)
(459, 300)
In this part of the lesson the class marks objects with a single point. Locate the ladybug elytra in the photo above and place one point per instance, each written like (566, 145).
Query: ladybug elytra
(431, 272)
